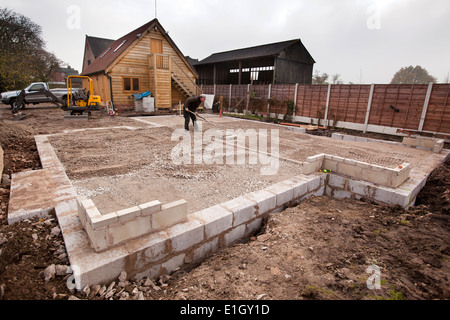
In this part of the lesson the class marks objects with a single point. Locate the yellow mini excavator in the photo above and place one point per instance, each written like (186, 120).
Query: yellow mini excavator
(79, 101)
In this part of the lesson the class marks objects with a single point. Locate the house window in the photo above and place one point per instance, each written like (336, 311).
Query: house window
(131, 84)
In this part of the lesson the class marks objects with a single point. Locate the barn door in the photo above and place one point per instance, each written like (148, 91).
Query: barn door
(156, 47)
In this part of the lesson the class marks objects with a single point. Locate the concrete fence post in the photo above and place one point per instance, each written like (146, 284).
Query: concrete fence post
(425, 106)
(327, 106)
(268, 97)
(295, 102)
(229, 100)
(369, 106)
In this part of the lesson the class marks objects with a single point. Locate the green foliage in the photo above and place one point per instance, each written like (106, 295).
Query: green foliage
(290, 108)
(23, 58)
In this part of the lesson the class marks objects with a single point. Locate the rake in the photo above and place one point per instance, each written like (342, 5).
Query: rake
(195, 114)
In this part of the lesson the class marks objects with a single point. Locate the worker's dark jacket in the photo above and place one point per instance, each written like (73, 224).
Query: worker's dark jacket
(193, 103)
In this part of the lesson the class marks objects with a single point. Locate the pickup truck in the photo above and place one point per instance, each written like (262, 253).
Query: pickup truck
(11, 96)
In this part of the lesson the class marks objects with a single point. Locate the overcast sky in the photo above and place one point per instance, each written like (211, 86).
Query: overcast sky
(365, 41)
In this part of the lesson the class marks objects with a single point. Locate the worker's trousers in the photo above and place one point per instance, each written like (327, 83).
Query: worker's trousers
(187, 117)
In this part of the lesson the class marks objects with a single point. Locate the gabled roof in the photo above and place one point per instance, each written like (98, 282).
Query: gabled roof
(191, 61)
(266, 50)
(118, 47)
(98, 45)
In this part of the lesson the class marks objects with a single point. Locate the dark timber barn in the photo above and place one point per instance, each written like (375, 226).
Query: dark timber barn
(285, 62)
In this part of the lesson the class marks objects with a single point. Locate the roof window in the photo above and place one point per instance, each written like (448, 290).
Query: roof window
(120, 45)
(103, 54)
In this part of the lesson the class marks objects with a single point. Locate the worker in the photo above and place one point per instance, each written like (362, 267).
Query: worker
(190, 110)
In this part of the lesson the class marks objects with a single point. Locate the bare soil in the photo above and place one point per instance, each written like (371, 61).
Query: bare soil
(318, 250)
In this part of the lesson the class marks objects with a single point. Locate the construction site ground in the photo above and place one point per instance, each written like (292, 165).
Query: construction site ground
(318, 250)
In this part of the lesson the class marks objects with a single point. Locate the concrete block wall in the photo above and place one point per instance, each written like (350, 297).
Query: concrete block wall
(359, 170)
(340, 187)
(436, 145)
(219, 226)
(188, 243)
(109, 230)
(203, 233)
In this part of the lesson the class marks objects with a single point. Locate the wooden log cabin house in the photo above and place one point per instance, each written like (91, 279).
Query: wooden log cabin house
(145, 59)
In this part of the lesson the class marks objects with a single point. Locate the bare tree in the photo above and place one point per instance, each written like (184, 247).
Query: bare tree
(336, 79)
(320, 78)
(447, 78)
(23, 57)
(413, 75)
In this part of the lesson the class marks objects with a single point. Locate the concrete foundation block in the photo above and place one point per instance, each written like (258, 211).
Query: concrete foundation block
(170, 214)
(316, 158)
(92, 213)
(302, 130)
(409, 141)
(152, 272)
(328, 191)
(336, 158)
(319, 192)
(350, 170)
(358, 188)
(128, 214)
(206, 249)
(234, 235)
(122, 232)
(254, 226)
(389, 196)
(330, 165)
(266, 201)
(150, 208)
(81, 212)
(283, 192)
(299, 187)
(341, 194)
(98, 238)
(315, 183)
(337, 181)
(337, 136)
(155, 249)
(186, 235)
(216, 220)
(424, 142)
(348, 138)
(363, 165)
(380, 177)
(169, 266)
(243, 209)
(104, 220)
(438, 146)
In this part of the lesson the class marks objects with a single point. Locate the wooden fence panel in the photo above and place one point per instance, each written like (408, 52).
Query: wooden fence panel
(438, 115)
(397, 106)
(312, 101)
(407, 99)
(348, 103)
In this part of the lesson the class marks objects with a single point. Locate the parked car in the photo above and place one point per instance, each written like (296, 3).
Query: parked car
(31, 96)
